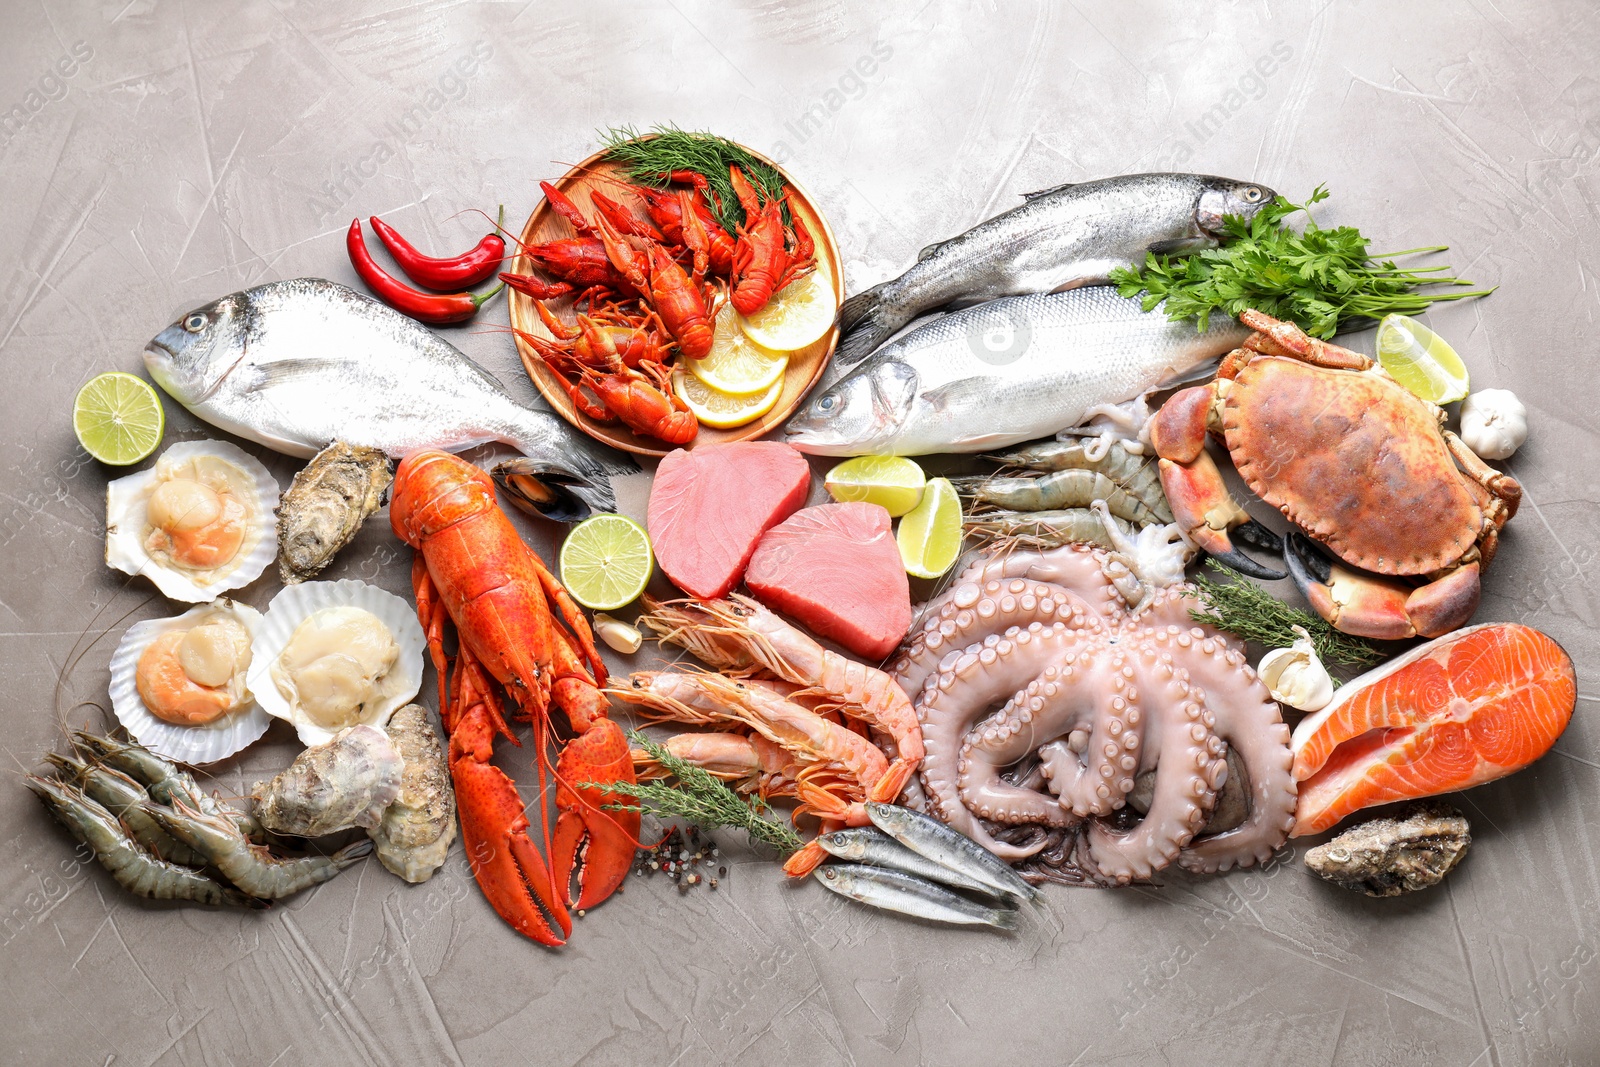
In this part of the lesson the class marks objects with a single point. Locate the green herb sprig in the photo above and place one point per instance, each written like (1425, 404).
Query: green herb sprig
(1320, 279)
(651, 157)
(699, 797)
(1249, 611)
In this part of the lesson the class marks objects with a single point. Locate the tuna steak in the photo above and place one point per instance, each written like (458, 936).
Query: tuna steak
(709, 507)
(836, 568)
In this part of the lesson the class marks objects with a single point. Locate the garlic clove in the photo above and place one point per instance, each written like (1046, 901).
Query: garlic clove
(617, 634)
(1295, 676)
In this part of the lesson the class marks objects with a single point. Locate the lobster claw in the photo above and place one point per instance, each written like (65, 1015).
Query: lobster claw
(598, 841)
(494, 830)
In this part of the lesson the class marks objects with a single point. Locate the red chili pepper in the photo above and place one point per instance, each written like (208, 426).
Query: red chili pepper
(450, 272)
(425, 307)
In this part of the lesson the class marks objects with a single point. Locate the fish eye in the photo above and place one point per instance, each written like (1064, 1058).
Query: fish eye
(1251, 194)
(195, 323)
(826, 401)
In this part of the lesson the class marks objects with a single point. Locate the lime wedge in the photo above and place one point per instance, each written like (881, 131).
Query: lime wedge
(1420, 360)
(606, 562)
(735, 363)
(118, 418)
(891, 481)
(723, 411)
(797, 315)
(930, 534)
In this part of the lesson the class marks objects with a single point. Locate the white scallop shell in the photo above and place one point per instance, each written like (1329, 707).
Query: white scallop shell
(187, 744)
(127, 506)
(294, 605)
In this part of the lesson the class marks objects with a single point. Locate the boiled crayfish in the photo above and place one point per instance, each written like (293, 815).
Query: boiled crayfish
(472, 568)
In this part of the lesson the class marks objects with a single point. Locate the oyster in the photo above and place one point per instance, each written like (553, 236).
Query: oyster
(347, 782)
(415, 834)
(1388, 857)
(325, 506)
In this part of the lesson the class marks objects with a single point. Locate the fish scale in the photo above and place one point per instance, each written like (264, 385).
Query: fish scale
(1004, 372)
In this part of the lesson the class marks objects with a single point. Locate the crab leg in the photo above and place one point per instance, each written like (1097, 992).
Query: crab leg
(1369, 606)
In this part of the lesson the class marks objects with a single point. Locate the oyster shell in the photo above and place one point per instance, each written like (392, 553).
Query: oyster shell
(347, 782)
(415, 835)
(325, 506)
(1388, 857)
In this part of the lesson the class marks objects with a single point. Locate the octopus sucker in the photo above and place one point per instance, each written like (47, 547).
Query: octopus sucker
(1098, 695)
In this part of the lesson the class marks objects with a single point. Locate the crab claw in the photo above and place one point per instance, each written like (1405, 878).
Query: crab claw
(1369, 606)
(598, 841)
(1205, 512)
(494, 830)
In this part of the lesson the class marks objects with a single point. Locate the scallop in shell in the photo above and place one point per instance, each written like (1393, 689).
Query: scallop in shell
(197, 523)
(204, 743)
(415, 835)
(330, 655)
(349, 781)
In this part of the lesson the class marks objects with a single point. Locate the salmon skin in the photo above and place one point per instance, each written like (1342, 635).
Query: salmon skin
(1459, 711)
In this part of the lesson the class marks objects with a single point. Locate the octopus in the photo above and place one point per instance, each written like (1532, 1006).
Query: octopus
(1039, 657)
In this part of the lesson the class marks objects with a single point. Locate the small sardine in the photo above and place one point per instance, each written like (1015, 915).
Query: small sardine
(929, 837)
(870, 845)
(1060, 238)
(893, 890)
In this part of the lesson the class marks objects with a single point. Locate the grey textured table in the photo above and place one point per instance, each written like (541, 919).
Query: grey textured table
(157, 155)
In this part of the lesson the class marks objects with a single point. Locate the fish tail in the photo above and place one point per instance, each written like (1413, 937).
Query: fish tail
(866, 322)
(570, 467)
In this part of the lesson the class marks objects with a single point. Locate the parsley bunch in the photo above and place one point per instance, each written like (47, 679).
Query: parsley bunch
(1319, 279)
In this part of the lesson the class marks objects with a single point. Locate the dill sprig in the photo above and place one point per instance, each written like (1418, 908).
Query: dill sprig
(1320, 279)
(651, 157)
(1245, 609)
(699, 797)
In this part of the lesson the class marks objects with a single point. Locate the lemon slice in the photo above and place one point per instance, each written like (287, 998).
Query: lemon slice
(893, 482)
(723, 411)
(606, 562)
(118, 418)
(796, 316)
(735, 363)
(1421, 360)
(930, 534)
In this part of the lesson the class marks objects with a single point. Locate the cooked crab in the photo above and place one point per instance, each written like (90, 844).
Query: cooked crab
(1351, 457)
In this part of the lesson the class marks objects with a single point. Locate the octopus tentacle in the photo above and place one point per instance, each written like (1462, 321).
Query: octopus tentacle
(1248, 719)
(1071, 567)
(967, 683)
(969, 610)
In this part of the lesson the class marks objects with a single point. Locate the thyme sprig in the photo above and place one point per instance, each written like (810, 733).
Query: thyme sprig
(699, 797)
(1246, 610)
(1320, 279)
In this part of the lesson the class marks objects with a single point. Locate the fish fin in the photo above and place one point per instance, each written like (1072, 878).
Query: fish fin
(930, 250)
(1036, 194)
(866, 325)
(1181, 245)
(967, 390)
(283, 371)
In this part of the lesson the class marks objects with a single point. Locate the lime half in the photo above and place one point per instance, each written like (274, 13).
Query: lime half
(720, 410)
(795, 316)
(606, 562)
(118, 418)
(930, 534)
(1421, 360)
(894, 482)
(735, 363)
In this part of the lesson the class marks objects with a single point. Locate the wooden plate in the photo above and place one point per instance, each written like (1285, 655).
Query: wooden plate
(805, 365)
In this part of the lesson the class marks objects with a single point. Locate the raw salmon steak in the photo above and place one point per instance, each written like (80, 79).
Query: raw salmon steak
(709, 507)
(837, 569)
(1459, 711)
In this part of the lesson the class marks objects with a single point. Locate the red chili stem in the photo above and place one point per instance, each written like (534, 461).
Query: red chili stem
(424, 307)
(444, 272)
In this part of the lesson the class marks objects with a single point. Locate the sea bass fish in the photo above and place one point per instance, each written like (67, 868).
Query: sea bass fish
(297, 364)
(1000, 373)
(1061, 238)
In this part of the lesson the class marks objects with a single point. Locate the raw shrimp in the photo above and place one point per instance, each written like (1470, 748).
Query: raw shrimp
(121, 795)
(135, 870)
(250, 867)
(1069, 488)
(162, 779)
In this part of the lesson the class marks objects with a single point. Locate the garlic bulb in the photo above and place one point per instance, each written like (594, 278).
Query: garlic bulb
(617, 634)
(1295, 676)
(1493, 423)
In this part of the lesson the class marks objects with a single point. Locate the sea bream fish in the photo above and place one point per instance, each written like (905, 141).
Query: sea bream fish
(1004, 372)
(1060, 238)
(294, 365)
